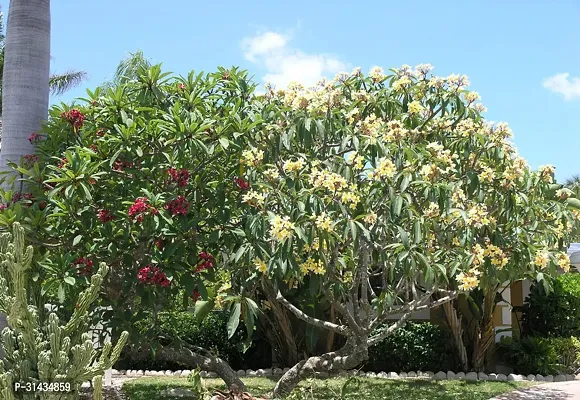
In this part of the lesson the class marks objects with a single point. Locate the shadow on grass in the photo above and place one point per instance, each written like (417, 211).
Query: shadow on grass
(330, 389)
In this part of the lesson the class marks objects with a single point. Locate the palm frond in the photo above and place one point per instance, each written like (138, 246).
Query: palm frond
(62, 82)
(130, 66)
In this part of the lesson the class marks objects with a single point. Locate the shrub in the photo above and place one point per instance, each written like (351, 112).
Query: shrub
(553, 314)
(529, 355)
(568, 351)
(211, 334)
(417, 346)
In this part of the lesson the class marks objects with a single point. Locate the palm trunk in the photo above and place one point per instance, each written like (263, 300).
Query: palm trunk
(25, 86)
(25, 89)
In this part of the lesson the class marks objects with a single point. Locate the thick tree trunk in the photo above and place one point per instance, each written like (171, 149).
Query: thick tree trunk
(204, 360)
(352, 354)
(454, 322)
(486, 335)
(25, 89)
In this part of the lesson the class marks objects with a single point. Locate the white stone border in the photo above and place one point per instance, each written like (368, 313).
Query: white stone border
(449, 375)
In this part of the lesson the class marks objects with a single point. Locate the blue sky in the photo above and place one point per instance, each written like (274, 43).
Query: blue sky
(516, 53)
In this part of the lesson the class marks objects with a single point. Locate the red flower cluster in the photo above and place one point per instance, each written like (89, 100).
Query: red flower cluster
(105, 216)
(195, 295)
(119, 165)
(75, 117)
(181, 176)
(140, 207)
(34, 138)
(63, 162)
(206, 263)
(94, 148)
(241, 183)
(3, 206)
(30, 159)
(178, 206)
(181, 86)
(84, 266)
(153, 276)
(101, 133)
(16, 197)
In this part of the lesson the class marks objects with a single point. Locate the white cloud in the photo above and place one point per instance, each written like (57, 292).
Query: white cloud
(562, 84)
(284, 64)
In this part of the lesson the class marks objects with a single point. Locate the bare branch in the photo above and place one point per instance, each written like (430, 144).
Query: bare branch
(340, 329)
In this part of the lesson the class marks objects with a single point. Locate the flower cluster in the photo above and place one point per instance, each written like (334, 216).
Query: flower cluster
(207, 262)
(281, 228)
(542, 259)
(119, 165)
(293, 166)
(468, 280)
(139, 208)
(432, 211)
(178, 206)
(30, 159)
(84, 266)
(385, 169)
(497, 257)
(370, 128)
(356, 160)
(272, 174)
(74, 117)
(260, 265)
(63, 162)
(241, 183)
(547, 173)
(105, 215)
(179, 176)
(34, 138)
(370, 218)
(150, 275)
(563, 261)
(563, 193)
(324, 222)
(477, 216)
(310, 265)
(254, 199)
(252, 157)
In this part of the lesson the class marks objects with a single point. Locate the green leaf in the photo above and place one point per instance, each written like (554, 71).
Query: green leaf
(224, 142)
(573, 203)
(417, 232)
(202, 309)
(70, 280)
(77, 239)
(234, 320)
(397, 205)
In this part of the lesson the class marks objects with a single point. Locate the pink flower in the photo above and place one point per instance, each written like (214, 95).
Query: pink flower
(34, 138)
(84, 266)
(74, 117)
(178, 206)
(105, 216)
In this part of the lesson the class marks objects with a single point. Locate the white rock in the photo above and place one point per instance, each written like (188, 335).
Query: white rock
(382, 375)
(514, 377)
(177, 373)
(560, 378)
(86, 385)
(203, 374)
(471, 376)
(260, 372)
(460, 376)
(492, 377)
(277, 371)
(501, 377)
(147, 372)
(411, 374)
(140, 372)
(361, 374)
(550, 378)
(393, 375)
(402, 375)
(429, 374)
(482, 376)
(185, 372)
(241, 372)
(440, 375)
(129, 372)
(451, 375)
(531, 377)
(114, 372)
(212, 375)
(570, 377)
(371, 375)
(577, 377)
(168, 372)
(540, 378)
(268, 372)
(251, 373)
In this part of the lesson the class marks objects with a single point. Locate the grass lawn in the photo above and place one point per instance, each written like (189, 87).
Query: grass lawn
(329, 389)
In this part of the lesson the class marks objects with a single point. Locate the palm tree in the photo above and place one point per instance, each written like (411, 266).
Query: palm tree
(573, 184)
(128, 69)
(59, 83)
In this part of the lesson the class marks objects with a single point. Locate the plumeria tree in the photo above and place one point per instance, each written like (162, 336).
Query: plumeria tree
(390, 194)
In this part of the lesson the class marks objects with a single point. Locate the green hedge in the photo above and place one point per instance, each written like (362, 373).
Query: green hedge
(554, 314)
(545, 356)
(211, 334)
(415, 347)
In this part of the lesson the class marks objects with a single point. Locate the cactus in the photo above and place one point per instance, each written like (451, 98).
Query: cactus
(45, 352)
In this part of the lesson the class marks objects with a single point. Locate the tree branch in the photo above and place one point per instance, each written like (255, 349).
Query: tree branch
(340, 329)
